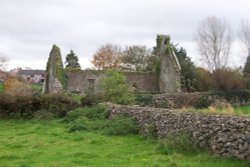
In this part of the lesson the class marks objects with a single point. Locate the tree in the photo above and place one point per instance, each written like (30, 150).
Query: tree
(204, 80)
(115, 88)
(107, 57)
(16, 88)
(72, 61)
(213, 38)
(227, 79)
(138, 58)
(188, 73)
(3, 62)
(244, 34)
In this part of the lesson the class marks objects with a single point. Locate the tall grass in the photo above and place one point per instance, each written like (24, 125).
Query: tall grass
(47, 143)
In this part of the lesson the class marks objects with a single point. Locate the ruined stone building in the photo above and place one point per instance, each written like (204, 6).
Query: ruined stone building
(31, 76)
(167, 81)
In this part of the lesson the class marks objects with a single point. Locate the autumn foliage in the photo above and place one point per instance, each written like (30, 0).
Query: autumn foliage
(16, 88)
(107, 57)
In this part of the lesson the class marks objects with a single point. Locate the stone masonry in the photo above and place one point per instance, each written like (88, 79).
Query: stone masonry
(54, 75)
(223, 134)
(167, 81)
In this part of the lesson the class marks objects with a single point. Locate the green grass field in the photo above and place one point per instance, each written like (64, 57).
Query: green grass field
(30, 143)
(1, 86)
(242, 110)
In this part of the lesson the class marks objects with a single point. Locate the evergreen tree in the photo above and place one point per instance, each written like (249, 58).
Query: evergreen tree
(72, 61)
(188, 74)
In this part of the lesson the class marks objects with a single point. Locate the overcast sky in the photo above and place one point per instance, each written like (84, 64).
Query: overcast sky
(29, 28)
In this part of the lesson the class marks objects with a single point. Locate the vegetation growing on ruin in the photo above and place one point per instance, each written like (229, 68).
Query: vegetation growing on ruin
(57, 67)
(115, 88)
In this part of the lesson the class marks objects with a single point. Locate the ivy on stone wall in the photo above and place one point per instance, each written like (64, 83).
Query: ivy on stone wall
(55, 65)
(158, 42)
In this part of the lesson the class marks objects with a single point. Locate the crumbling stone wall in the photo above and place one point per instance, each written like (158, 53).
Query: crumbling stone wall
(224, 135)
(82, 81)
(55, 80)
(169, 77)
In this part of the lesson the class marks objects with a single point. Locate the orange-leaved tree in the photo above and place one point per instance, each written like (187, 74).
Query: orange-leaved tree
(107, 57)
(16, 88)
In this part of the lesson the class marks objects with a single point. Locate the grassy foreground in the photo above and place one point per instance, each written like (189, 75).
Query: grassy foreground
(1, 86)
(27, 143)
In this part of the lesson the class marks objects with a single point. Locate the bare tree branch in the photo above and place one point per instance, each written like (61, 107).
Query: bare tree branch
(244, 34)
(3, 62)
(213, 38)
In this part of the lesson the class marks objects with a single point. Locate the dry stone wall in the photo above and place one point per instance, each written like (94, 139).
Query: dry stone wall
(222, 134)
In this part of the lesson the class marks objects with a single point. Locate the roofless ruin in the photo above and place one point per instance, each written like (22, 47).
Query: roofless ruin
(166, 81)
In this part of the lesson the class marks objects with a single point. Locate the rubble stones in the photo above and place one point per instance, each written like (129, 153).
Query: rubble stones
(223, 134)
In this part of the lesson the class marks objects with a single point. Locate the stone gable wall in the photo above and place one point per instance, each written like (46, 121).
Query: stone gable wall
(224, 135)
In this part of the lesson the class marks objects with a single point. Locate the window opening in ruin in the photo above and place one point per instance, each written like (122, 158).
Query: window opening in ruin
(165, 42)
(91, 84)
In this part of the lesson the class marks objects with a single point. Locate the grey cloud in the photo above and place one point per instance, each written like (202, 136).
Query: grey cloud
(28, 28)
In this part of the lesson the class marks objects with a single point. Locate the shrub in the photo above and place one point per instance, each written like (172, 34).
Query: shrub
(94, 113)
(234, 95)
(150, 131)
(203, 80)
(180, 100)
(97, 112)
(59, 104)
(44, 115)
(144, 99)
(96, 118)
(92, 98)
(18, 106)
(228, 79)
(164, 104)
(25, 102)
(180, 143)
(16, 88)
(203, 102)
(115, 89)
(121, 125)
(79, 125)
(6, 104)
(87, 118)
